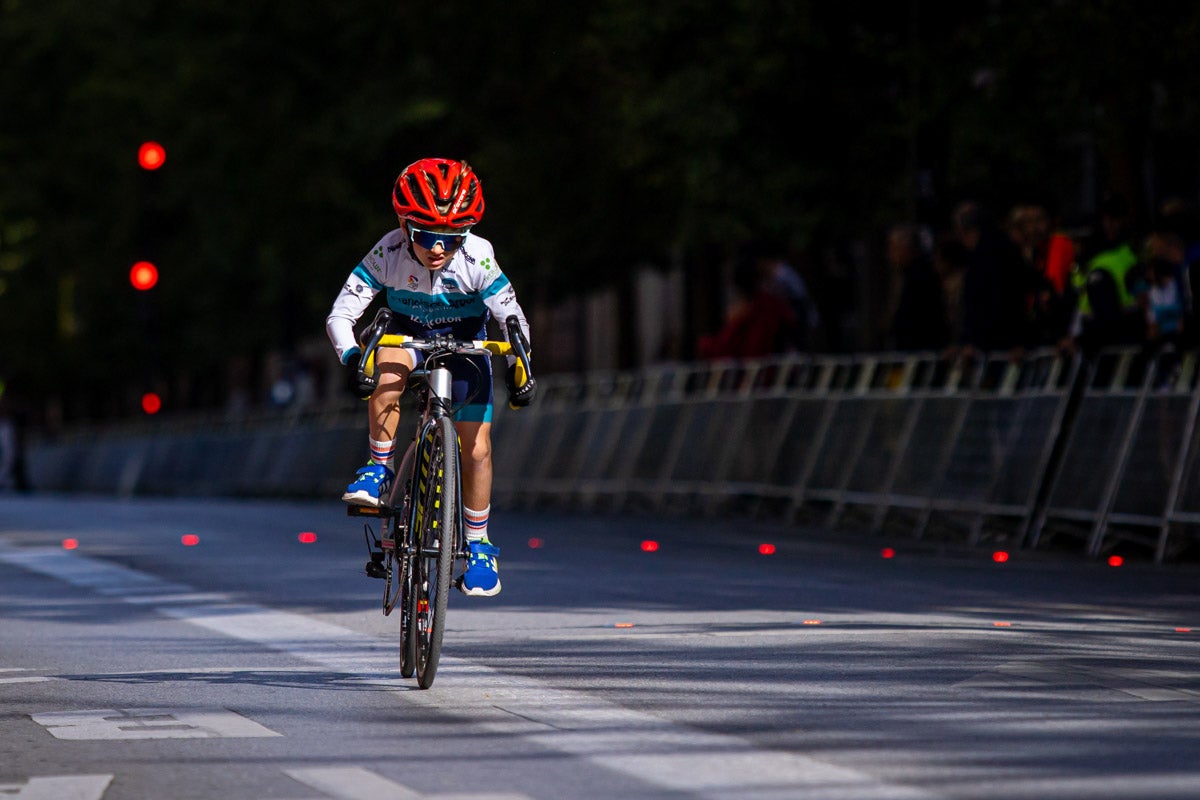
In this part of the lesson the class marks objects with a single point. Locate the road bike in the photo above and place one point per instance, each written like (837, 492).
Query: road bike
(421, 551)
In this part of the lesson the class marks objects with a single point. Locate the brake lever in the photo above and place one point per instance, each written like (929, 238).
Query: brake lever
(517, 340)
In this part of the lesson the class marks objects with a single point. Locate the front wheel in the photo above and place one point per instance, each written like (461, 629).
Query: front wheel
(435, 519)
(400, 564)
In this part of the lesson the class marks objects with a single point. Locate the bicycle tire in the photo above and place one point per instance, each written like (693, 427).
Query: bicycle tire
(401, 560)
(397, 527)
(437, 507)
(408, 611)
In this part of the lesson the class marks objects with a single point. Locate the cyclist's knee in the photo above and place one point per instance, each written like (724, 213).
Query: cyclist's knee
(479, 451)
(476, 441)
(392, 383)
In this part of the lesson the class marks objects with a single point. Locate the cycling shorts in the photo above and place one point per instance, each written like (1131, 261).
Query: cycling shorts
(470, 376)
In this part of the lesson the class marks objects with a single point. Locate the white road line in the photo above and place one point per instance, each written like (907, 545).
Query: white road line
(150, 723)
(58, 787)
(354, 783)
(640, 745)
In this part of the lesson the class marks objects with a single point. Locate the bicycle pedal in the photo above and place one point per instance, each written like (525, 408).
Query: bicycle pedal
(376, 569)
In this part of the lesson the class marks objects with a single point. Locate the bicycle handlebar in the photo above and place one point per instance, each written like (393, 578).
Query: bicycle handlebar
(378, 337)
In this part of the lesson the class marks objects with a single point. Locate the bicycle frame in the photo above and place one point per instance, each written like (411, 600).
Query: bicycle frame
(423, 512)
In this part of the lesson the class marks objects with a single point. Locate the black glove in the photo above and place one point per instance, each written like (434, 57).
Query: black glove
(363, 387)
(519, 397)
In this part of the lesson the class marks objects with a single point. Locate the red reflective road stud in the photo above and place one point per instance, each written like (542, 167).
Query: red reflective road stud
(70, 544)
(766, 549)
(307, 537)
(649, 545)
(189, 540)
(999, 556)
(887, 552)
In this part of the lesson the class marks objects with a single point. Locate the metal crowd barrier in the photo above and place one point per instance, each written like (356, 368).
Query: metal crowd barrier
(1098, 456)
(1050, 451)
(1128, 469)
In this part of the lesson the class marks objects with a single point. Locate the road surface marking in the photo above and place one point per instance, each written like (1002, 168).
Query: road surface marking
(638, 744)
(149, 723)
(355, 783)
(58, 787)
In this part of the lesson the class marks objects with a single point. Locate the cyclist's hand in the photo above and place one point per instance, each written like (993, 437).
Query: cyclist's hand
(519, 396)
(361, 388)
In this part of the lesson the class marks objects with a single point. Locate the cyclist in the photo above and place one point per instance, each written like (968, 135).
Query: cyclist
(439, 279)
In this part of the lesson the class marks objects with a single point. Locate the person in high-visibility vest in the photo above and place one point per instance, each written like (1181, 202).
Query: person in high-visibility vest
(1109, 286)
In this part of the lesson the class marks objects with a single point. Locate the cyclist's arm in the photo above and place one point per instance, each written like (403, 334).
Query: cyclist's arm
(501, 300)
(354, 298)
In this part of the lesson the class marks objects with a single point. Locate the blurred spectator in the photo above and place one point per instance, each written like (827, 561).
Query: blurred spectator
(1169, 309)
(1028, 226)
(950, 259)
(1182, 218)
(918, 320)
(778, 276)
(1107, 285)
(1164, 301)
(998, 286)
(760, 321)
(1051, 253)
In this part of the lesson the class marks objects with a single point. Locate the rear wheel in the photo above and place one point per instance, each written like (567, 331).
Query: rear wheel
(435, 521)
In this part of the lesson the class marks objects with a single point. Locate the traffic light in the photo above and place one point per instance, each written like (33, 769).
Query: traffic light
(151, 155)
(143, 275)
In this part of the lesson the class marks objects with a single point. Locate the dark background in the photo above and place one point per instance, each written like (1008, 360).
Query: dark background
(611, 137)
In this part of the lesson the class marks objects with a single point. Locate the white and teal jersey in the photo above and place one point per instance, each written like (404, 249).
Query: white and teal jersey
(456, 300)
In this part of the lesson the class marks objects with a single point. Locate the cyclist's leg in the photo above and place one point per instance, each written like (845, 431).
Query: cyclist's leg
(482, 576)
(393, 365)
(476, 441)
(473, 424)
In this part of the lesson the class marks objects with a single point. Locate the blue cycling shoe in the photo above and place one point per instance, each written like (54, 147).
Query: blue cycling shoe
(371, 483)
(482, 578)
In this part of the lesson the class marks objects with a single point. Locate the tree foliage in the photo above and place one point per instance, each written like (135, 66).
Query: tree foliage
(609, 135)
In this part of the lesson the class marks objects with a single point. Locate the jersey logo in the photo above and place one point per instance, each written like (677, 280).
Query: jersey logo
(413, 282)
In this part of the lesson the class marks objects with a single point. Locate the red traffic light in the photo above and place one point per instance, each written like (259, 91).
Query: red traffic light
(143, 275)
(151, 403)
(151, 155)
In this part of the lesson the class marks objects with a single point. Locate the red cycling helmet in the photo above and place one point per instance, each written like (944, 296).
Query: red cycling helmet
(438, 192)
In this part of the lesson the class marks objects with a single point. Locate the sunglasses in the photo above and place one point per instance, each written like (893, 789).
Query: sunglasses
(429, 239)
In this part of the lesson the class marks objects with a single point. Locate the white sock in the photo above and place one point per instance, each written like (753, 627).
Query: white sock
(477, 522)
(383, 452)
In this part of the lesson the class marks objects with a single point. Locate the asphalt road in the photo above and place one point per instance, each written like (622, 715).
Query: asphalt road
(202, 650)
